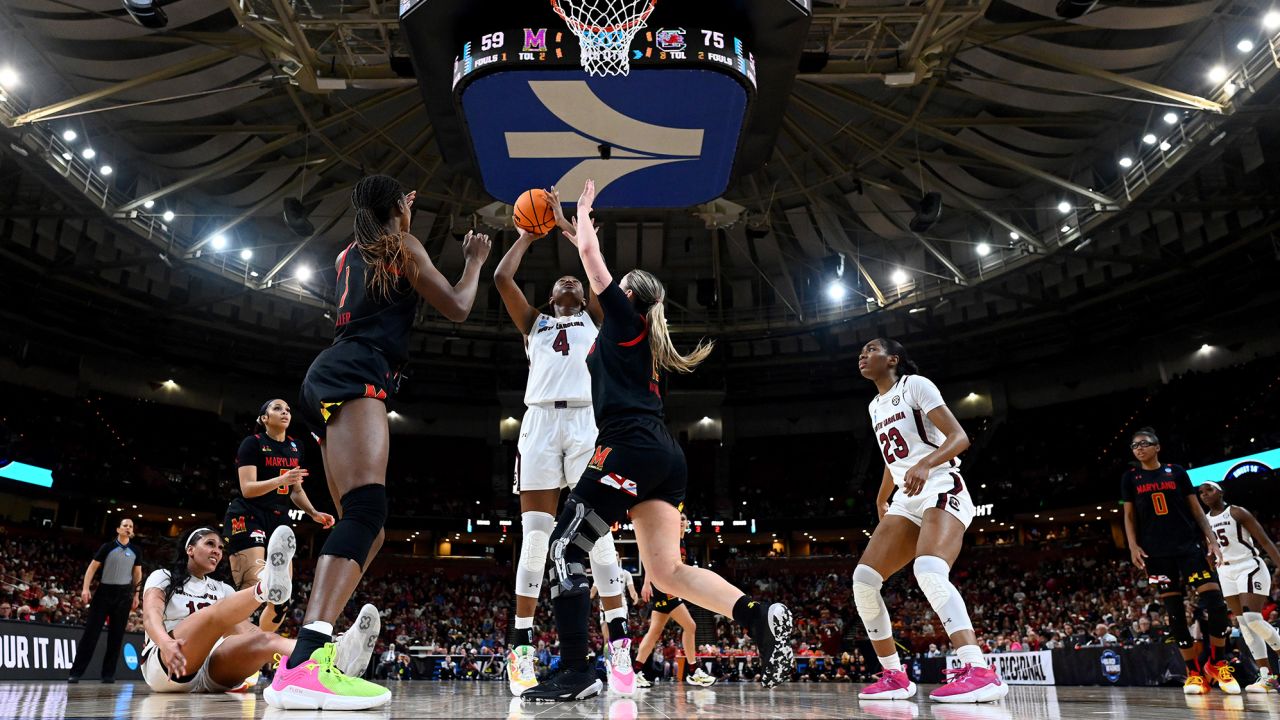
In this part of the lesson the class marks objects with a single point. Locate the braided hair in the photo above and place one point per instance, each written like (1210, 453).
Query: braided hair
(179, 572)
(377, 199)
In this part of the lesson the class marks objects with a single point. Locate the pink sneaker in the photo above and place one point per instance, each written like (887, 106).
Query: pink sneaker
(317, 685)
(892, 685)
(622, 679)
(970, 684)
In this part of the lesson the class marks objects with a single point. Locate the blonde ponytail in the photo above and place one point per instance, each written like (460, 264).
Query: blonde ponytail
(648, 290)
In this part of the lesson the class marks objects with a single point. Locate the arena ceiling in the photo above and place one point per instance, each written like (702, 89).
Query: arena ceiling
(1003, 108)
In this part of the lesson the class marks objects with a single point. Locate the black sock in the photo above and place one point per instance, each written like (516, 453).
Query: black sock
(637, 665)
(518, 636)
(572, 612)
(308, 642)
(746, 612)
(617, 629)
(280, 610)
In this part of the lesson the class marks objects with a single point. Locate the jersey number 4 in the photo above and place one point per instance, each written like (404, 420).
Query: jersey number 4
(561, 343)
(893, 446)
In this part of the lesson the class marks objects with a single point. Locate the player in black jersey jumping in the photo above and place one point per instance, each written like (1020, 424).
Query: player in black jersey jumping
(1168, 533)
(269, 465)
(381, 276)
(637, 469)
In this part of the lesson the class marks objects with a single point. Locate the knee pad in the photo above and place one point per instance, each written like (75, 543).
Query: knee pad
(870, 605)
(931, 575)
(1257, 646)
(1216, 608)
(364, 512)
(577, 530)
(1176, 607)
(537, 527)
(604, 567)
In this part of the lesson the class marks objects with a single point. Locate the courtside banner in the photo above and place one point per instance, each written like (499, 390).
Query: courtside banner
(36, 651)
(1018, 668)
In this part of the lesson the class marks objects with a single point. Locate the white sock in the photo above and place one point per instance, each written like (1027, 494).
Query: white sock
(971, 655)
(615, 613)
(320, 626)
(524, 623)
(892, 662)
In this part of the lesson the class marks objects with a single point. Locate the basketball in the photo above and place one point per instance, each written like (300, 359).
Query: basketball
(534, 213)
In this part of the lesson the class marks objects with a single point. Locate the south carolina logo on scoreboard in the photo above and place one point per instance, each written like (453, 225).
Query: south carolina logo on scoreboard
(653, 139)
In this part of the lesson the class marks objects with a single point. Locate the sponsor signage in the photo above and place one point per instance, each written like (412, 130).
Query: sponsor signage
(1018, 668)
(37, 651)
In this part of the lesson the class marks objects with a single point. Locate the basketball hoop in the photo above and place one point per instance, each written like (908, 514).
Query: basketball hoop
(605, 29)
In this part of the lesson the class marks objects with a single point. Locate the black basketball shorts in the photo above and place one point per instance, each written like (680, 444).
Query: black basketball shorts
(344, 371)
(247, 526)
(635, 459)
(1174, 573)
(665, 603)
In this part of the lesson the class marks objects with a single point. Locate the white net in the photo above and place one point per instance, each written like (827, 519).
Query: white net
(605, 29)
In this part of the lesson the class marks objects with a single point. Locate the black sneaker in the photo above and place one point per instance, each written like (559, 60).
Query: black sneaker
(564, 686)
(772, 633)
(108, 680)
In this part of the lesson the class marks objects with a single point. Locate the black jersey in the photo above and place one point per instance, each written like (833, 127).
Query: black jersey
(624, 379)
(1166, 526)
(364, 315)
(272, 458)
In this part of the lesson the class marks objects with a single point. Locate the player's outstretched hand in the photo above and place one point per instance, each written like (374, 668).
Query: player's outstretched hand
(325, 519)
(558, 209)
(294, 476)
(588, 196)
(1139, 557)
(406, 211)
(476, 246)
(1215, 554)
(526, 235)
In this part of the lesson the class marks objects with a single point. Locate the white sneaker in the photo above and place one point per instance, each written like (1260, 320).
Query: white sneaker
(355, 646)
(1266, 682)
(522, 669)
(275, 583)
(701, 679)
(643, 682)
(622, 679)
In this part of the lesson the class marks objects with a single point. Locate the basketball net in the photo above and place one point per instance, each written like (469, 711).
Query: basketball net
(605, 29)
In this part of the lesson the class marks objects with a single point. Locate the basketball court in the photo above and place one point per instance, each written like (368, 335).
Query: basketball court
(740, 700)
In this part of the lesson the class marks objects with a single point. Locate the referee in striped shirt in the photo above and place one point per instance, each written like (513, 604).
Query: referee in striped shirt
(117, 596)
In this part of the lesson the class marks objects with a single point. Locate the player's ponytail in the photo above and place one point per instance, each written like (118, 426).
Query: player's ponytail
(906, 366)
(649, 295)
(376, 199)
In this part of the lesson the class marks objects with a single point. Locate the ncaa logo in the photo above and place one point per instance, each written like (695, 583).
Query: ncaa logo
(130, 656)
(1110, 665)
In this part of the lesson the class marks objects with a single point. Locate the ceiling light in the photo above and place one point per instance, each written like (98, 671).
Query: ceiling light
(984, 249)
(149, 204)
(836, 291)
(8, 77)
(303, 273)
(168, 216)
(1014, 235)
(245, 254)
(1245, 45)
(1271, 20)
(66, 156)
(106, 170)
(219, 241)
(253, 273)
(1064, 207)
(88, 153)
(899, 276)
(1149, 139)
(1217, 74)
(1206, 348)
(69, 135)
(1171, 118)
(1066, 228)
(1126, 162)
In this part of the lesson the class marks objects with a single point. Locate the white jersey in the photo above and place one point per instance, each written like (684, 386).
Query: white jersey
(557, 351)
(900, 423)
(1237, 544)
(195, 594)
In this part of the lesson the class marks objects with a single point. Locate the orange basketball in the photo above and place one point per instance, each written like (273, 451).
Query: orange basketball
(534, 213)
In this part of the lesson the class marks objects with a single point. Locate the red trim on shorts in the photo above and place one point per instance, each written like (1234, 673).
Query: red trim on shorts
(955, 490)
(1248, 579)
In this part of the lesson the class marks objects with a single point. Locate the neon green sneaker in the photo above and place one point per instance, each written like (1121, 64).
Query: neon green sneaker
(317, 685)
